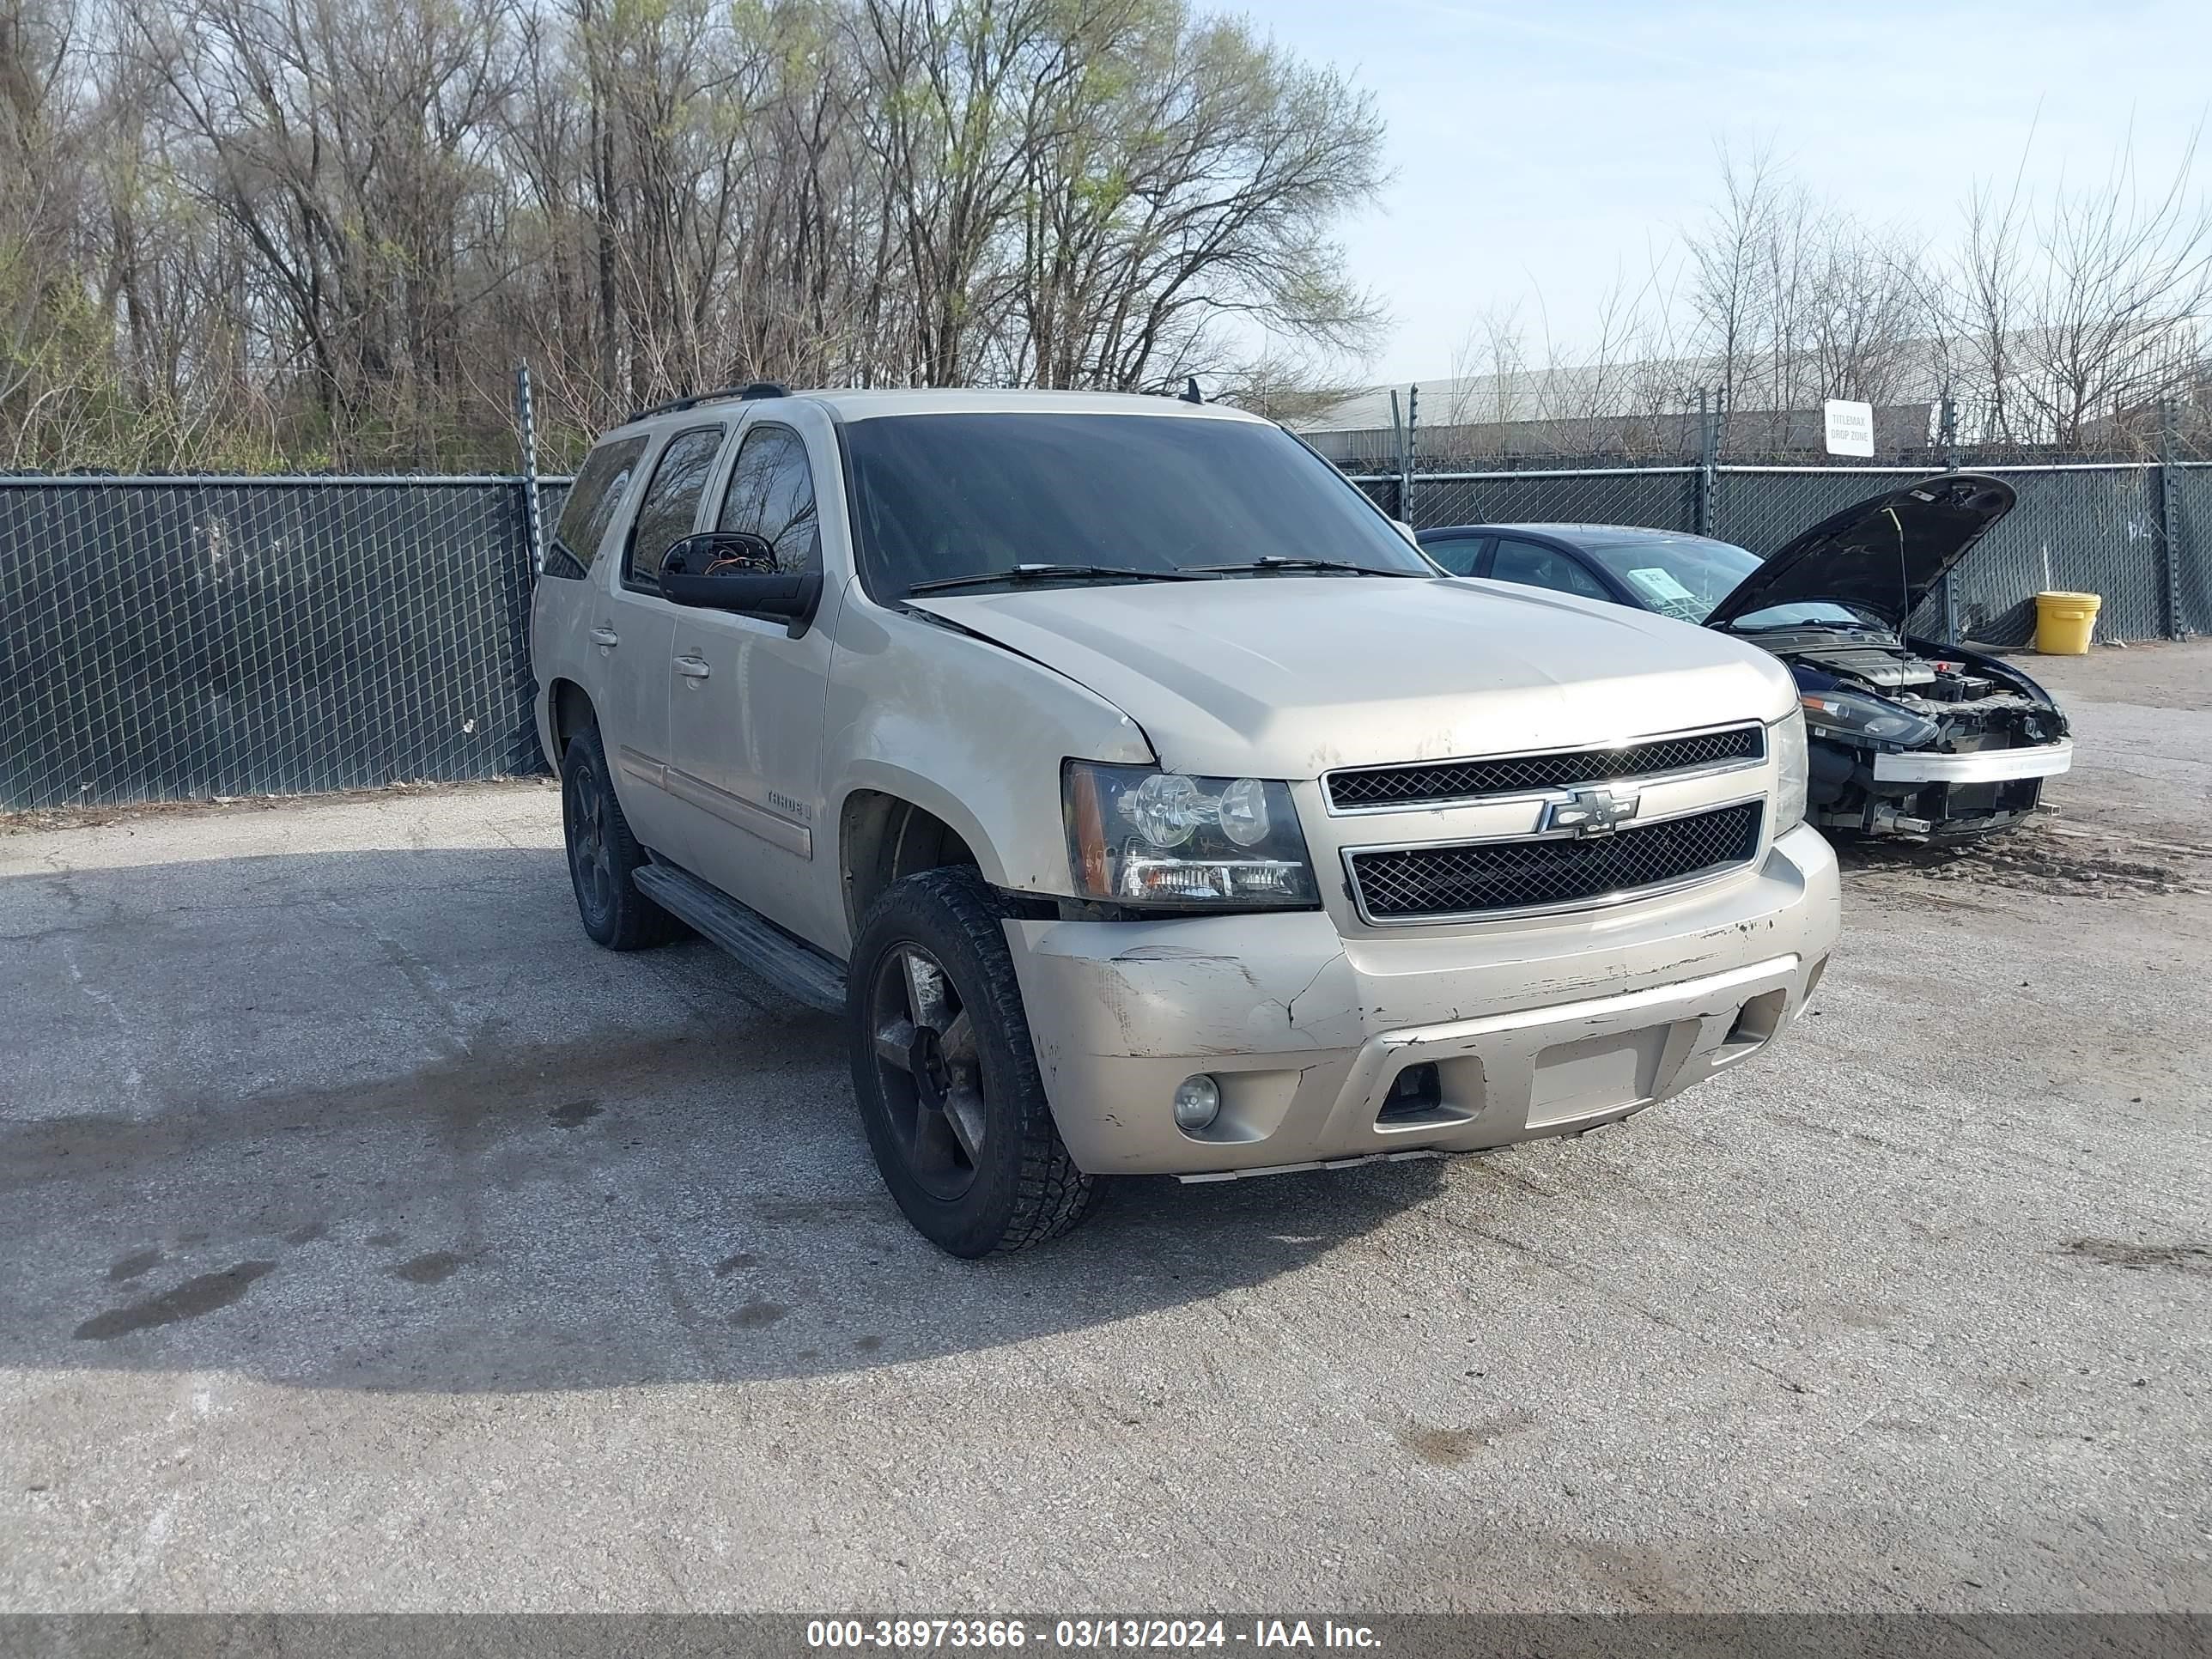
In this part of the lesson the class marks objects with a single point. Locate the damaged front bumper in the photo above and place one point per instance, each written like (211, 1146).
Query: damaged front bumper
(1924, 795)
(2043, 760)
(1530, 1031)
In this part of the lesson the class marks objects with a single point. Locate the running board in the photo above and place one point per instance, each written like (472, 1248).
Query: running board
(796, 968)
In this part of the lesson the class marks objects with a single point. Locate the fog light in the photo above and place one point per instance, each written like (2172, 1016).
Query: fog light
(1197, 1102)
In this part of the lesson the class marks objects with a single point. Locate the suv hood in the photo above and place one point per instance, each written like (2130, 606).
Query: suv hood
(1288, 676)
(1882, 556)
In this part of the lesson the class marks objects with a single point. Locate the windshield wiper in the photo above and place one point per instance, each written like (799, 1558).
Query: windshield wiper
(1051, 572)
(1277, 561)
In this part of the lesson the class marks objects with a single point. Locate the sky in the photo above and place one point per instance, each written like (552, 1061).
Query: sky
(1542, 150)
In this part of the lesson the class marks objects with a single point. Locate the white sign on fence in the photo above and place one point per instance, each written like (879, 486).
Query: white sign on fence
(1850, 427)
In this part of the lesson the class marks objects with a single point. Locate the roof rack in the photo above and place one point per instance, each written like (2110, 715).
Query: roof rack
(750, 390)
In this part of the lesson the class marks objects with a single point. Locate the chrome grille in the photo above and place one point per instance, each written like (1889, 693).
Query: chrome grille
(1513, 774)
(1475, 877)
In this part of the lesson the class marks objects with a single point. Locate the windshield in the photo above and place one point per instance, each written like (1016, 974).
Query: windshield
(939, 496)
(1685, 576)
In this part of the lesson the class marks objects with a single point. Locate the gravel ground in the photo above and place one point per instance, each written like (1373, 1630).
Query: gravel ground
(371, 1241)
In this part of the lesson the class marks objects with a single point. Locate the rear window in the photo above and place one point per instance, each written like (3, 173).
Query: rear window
(946, 496)
(593, 500)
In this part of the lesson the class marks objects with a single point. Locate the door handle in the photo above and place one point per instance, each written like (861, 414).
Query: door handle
(693, 668)
(606, 636)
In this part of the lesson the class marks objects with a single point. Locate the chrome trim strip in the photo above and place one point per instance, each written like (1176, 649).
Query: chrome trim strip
(777, 831)
(2045, 760)
(1641, 780)
(1516, 835)
(1596, 902)
(1439, 803)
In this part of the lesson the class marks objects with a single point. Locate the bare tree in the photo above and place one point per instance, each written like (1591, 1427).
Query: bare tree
(1865, 319)
(1730, 266)
(2122, 276)
(276, 232)
(1486, 370)
(49, 364)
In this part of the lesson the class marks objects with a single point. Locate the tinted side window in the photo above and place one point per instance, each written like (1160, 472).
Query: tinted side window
(1457, 554)
(593, 500)
(1541, 566)
(771, 494)
(672, 501)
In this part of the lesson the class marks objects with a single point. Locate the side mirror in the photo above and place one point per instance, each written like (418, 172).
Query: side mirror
(719, 553)
(734, 570)
(1406, 531)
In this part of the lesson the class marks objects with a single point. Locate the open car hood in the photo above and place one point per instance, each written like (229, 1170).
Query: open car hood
(1882, 556)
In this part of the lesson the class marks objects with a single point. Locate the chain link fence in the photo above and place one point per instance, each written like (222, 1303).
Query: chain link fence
(2139, 534)
(165, 639)
(1658, 498)
(2189, 517)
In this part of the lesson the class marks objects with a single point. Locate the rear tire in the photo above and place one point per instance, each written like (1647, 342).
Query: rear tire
(603, 855)
(947, 1080)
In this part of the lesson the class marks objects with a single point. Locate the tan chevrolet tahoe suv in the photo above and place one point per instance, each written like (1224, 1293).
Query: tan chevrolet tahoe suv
(1147, 802)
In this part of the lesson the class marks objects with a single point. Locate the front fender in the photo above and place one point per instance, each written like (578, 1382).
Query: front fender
(969, 731)
(872, 772)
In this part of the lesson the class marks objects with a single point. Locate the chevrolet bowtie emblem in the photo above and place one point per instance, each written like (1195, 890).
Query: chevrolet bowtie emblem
(1590, 813)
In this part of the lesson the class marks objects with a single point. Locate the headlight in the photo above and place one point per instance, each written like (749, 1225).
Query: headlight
(1139, 836)
(1788, 734)
(1849, 715)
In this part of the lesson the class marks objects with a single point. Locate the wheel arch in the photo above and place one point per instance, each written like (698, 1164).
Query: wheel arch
(568, 709)
(892, 828)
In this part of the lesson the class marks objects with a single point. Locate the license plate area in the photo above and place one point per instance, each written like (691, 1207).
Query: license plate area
(1596, 1074)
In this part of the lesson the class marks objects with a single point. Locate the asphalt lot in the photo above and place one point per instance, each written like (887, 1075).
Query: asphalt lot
(370, 1240)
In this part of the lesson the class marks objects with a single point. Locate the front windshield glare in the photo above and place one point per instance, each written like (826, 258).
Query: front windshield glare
(947, 496)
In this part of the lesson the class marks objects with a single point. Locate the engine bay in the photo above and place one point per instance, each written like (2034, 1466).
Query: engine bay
(1975, 709)
(1884, 668)
(1970, 706)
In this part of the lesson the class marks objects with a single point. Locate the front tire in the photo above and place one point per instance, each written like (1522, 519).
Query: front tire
(948, 1083)
(603, 855)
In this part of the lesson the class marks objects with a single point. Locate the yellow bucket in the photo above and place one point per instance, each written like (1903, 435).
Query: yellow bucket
(2065, 622)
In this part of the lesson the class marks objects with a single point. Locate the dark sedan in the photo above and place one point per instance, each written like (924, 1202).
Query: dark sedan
(1908, 736)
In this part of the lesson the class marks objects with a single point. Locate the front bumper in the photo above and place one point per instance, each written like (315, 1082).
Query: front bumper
(1535, 1029)
(2045, 760)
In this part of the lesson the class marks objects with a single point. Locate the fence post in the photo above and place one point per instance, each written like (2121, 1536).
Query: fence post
(1701, 510)
(1947, 436)
(532, 528)
(1398, 447)
(1412, 451)
(2169, 524)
